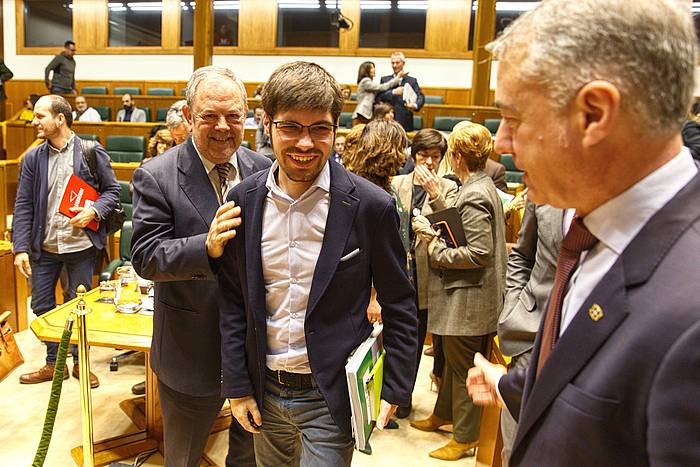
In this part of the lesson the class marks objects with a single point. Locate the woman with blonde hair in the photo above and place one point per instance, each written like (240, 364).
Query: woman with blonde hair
(158, 144)
(465, 287)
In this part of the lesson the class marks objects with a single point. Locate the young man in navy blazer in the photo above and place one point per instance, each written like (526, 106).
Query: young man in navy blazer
(593, 95)
(289, 319)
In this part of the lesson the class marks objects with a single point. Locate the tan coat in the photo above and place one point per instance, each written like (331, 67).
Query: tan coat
(466, 284)
(403, 185)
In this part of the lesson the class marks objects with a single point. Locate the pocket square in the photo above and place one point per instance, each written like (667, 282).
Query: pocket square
(352, 254)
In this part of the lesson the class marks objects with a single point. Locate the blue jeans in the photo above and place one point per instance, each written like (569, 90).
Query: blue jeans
(45, 273)
(60, 90)
(298, 429)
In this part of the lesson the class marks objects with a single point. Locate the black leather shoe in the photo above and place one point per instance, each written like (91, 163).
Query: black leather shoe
(139, 388)
(403, 412)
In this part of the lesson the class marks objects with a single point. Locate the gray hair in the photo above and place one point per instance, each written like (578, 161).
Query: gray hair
(398, 54)
(208, 72)
(174, 118)
(646, 49)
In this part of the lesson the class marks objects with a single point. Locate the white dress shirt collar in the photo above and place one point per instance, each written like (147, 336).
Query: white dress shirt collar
(209, 165)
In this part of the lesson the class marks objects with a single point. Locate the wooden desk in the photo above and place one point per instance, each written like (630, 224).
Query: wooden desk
(490, 441)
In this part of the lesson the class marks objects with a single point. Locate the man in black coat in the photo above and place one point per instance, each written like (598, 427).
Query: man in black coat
(403, 111)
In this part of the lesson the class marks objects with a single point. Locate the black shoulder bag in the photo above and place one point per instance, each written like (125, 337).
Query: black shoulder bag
(115, 219)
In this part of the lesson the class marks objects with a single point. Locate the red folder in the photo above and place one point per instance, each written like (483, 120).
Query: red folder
(78, 193)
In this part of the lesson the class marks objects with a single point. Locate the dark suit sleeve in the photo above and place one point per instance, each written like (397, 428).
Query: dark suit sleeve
(420, 100)
(155, 251)
(395, 294)
(109, 187)
(5, 73)
(521, 259)
(673, 411)
(511, 388)
(691, 138)
(24, 206)
(386, 96)
(233, 325)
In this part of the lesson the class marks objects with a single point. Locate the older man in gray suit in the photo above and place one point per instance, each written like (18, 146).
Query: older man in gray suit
(529, 279)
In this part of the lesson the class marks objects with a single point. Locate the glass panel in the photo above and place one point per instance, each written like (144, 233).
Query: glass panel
(225, 23)
(135, 23)
(306, 23)
(506, 12)
(394, 24)
(47, 23)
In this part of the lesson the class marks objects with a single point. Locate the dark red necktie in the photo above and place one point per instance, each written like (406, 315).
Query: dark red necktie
(577, 240)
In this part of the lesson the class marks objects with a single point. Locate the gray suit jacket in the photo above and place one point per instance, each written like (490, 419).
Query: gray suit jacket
(497, 172)
(174, 204)
(529, 277)
(403, 184)
(367, 91)
(466, 283)
(137, 115)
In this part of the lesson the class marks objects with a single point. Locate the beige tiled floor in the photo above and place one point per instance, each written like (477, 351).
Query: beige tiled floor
(23, 408)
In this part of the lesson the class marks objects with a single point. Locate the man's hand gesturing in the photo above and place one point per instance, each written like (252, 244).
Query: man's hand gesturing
(223, 228)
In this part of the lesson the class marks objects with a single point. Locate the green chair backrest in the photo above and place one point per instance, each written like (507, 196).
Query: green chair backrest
(94, 90)
(88, 136)
(160, 92)
(507, 160)
(492, 124)
(125, 241)
(434, 99)
(104, 111)
(148, 113)
(125, 198)
(125, 148)
(417, 122)
(353, 96)
(514, 177)
(127, 90)
(161, 113)
(444, 123)
(251, 113)
(345, 119)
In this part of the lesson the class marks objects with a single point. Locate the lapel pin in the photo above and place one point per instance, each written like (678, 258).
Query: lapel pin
(596, 312)
(347, 203)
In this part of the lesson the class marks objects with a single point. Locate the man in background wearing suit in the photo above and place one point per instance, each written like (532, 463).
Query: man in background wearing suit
(130, 113)
(289, 321)
(593, 95)
(403, 112)
(176, 199)
(529, 279)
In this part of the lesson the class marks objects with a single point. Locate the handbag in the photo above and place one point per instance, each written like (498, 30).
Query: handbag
(115, 219)
(10, 356)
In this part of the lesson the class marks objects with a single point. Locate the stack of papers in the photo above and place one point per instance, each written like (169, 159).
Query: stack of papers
(364, 372)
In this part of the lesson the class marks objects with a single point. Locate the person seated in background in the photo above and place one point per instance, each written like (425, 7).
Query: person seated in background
(177, 123)
(257, 94)
(422, 192)
(465, 287)
(27, 113)
(367, 91)
(383, 111)
(83, 113)
(346, 92)
(130, 113)
(338, 149)
(254, 121)
(158, 144)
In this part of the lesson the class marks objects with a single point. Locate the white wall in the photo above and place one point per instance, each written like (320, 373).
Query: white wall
(252, 68)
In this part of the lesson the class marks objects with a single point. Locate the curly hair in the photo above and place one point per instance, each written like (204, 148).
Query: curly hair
(161, 136)
(472, 142)
(380, 152)
(352, 137)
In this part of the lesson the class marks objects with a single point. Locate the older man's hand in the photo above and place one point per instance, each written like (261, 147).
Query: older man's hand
(223, 228)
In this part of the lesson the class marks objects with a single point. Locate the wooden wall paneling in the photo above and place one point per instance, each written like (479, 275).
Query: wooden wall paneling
(18, 90)
(447, 26)
(19, 29)
(124, 171)
(9, 177)
(350, 40)
(457, 96)
(203, 33)
(257, 26)
(484, 32)
(3, 200)
(170, 25)
(90, 29)
(7, 291)
(20, 136)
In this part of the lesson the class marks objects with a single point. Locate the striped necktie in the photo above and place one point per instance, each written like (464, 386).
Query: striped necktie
(577, 240)
(225, 171)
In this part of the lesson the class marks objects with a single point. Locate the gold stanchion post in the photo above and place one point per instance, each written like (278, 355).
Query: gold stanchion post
(81, 311)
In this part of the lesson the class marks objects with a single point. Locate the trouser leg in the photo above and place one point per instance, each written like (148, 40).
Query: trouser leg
(44, 277)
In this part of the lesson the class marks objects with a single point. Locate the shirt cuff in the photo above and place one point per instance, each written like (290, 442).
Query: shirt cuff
(498, 392)
(97, 214)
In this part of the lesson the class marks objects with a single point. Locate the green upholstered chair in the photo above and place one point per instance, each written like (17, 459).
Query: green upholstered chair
(134, 91)
(104, 111)
(513, 174)
(88, 136)
(125, 198)
(161, 113)
(434, 100)
(125, 148)
(251, 113)
(492, 124)
(353, 96)
(417, 122)
(94, 90)
(160, 92)
(124, 252)
(148, 113)
(444, 123)
(345, 119)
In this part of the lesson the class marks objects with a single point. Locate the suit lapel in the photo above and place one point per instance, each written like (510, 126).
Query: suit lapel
(253, 212)
(245, 164)
(194, 182)
(341, 214)
(575, 347)
(405, 190)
